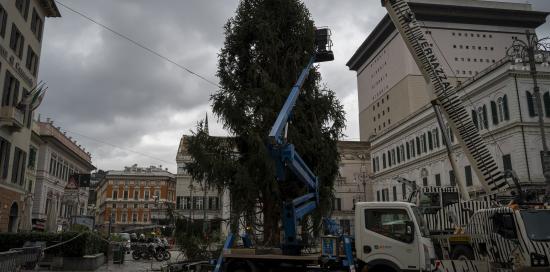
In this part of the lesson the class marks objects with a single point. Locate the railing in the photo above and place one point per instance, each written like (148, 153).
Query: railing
(15, 258)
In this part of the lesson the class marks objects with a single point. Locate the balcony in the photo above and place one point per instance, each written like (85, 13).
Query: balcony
(11, 117)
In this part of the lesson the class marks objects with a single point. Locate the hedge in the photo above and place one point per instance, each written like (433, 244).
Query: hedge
(88, 243)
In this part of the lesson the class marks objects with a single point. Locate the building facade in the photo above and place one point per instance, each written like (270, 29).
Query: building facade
(21, 27)
(135, 198)
(500, 101)
(56, 200)
(353, 183)
(194, 200)
(469, 35)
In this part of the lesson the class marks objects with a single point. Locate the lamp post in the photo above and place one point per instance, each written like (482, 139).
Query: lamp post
(533, 51)
(363, 176)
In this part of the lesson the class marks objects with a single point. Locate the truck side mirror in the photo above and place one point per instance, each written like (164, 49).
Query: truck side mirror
(409, 232)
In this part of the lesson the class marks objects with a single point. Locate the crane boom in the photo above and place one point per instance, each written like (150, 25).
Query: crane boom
(441, 90)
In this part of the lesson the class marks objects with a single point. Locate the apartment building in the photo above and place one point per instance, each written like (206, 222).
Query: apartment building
(467, 35)
(135, 198)
(56, 199)
(21, 29)
(500, 101)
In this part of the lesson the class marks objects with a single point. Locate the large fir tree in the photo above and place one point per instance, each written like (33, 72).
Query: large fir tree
(267, 44)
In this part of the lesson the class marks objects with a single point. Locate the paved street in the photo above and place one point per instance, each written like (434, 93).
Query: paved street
(130, 265)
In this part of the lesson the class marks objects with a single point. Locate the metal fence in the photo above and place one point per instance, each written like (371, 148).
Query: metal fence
(16, 258)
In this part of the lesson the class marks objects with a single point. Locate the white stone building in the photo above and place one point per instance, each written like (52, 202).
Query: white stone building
(194, 201)
(466, 35)
(55, 201)
(501, 104)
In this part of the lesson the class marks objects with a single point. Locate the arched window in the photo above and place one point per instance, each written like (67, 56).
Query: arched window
(482, 117)
(495, 112)
(546, 99)
(474, 119)
(530, 104)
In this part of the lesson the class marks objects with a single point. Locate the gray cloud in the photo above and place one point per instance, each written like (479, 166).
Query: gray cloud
(108, 89)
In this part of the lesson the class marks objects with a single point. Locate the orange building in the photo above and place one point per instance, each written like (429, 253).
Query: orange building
(136, 198)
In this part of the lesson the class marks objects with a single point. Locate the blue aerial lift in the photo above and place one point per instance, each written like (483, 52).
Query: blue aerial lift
(287, 158)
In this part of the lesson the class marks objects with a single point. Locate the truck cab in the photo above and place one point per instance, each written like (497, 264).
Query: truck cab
(392, 236)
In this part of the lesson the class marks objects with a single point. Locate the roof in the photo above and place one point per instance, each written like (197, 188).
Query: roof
(455, 11)
(50, 8)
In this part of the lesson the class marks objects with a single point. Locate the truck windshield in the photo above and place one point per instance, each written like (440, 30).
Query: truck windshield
(421, 223)
(536, 224)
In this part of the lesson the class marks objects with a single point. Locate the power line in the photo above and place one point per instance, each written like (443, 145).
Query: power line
(137, 43)
(115, 146)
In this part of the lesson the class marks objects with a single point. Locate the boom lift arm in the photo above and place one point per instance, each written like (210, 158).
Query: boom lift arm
(286, 156)
(446, 97)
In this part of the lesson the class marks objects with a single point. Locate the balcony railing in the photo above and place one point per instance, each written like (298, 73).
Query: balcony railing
(10, 116)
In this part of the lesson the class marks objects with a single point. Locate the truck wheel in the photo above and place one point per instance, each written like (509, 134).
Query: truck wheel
(462, 253)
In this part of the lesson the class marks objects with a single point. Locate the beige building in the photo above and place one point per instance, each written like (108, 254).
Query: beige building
(135, 198)
(353, 183)
(57, 157)
(21, 27)
(467, 35)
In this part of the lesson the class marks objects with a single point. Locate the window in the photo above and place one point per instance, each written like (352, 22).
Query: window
(546, 98)
(10, 97)
(213, 203)
(384, 160)
(424, 144)
(418, 146)
(387, 222)
(398, 155)
(393, 156)
(125, 194)
(37, 25)
(134, 218)
(5, 152)
(530, 104)
(504, 225)
(114, 205)
(145, 218)
(425, 181)
(32, 157)
(179, 200)
(435, 133)
(394, 193)
(146, 193)
(408, 151)
(18, 167)
(136, 194)
(16, 41)
(437, 180)
(474, 119)
(452, 179)
(430, 141)
(198, 202)
(402, 148)
(32, 61)
(115, 195)
(468, 175)
(482, 117)
(337, 204)
(23, 7)
(146, 205)
(3, 21)
(377, 195)
(507, 162)
(124, 206)
(413, 152)
(186, 205)
(124, 217)
(495, 113)
(389, 159)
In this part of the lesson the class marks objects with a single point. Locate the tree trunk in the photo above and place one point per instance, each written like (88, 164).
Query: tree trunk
(271, 216)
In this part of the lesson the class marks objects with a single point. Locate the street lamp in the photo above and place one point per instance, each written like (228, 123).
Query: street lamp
(363, 176)
(531, 52)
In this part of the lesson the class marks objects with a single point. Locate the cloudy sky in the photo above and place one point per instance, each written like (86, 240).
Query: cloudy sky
(126, 105)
